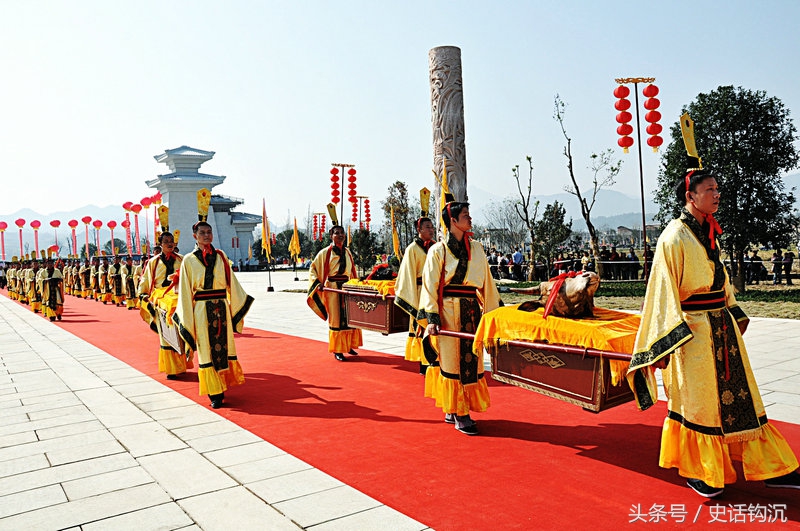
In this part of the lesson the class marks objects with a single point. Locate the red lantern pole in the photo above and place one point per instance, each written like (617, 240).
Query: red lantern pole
(55, 224)
(3, 227)
(97, 226)
(111, 225)
(636, 81)
(86, 220)
(127, 224)
(20, 223)
(35, 224)
(136, 209)
(72, 224)
(145, 202)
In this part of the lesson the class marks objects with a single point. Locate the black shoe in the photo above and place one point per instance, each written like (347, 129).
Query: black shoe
(216, 400)
(58, 317)
(172, 377)
(703, 489)
(339, 356)
(788, 481)
(450, 418)
(472, 429)
(52, 319)
(353, 352)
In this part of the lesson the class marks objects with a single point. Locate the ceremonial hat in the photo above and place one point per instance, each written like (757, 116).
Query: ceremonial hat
(687, 131)
(332, 214)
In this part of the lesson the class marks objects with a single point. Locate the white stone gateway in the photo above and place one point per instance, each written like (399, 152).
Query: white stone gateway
(233, 231)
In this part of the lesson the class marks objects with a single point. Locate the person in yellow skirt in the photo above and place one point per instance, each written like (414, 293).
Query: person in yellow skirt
(691, 329)
(407, 289)
(457, 288)
(331, 268)
(157, 280)
(211, 306)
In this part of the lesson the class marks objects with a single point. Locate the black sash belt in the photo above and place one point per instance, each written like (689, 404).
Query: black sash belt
(457, 290)
(338, 278)
(714, 300)
(210, 294)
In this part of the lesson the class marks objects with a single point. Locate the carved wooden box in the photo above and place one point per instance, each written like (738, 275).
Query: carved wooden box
(369, 310)
(581, 380)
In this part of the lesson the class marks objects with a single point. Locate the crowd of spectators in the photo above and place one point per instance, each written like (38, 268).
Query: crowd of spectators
(513, 266)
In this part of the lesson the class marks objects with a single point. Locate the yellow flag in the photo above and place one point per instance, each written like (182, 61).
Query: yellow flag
(294, 245)
(443, 191)
(349, 236)
(266, 237)
(395, 238)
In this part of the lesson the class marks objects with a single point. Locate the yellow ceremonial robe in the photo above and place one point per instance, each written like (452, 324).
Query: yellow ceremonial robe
(158, 275)
(457, 287)
(331, 268)
(52, 289)
(715, 409)
(211, 307)
(407, 288)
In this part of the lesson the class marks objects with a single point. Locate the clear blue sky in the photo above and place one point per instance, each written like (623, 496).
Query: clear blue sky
(92, 90)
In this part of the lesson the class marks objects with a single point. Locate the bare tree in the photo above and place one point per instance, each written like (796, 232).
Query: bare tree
(523, 208)
(505, 229)
(604, 168)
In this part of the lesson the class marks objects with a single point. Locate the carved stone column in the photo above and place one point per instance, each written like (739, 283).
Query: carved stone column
(447, 119)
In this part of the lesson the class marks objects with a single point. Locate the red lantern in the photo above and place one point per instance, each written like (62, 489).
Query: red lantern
(653, 117)
(136, 208)
(127, 205)
(36, 224)
(650, 91)
(624, 117)
(625, 130)
(654, 129)
(97, 224)
(20, 222)
(125, 224)
(625, 142)
(145, 202)
(622, 91)
(55, 223)
(622, 104)
(652, 104)
(73, 223)
(654, 142)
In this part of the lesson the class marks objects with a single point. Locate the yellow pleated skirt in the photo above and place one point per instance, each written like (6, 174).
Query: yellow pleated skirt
(707, 458)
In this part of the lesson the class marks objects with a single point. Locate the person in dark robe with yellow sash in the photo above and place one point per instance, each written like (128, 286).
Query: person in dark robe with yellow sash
(691, 329)
(115, 285)
(331, 268)
(51, 285)
(407, 290)
(457, 288)
(211, 306)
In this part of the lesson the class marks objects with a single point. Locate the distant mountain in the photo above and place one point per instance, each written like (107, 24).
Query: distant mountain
(612, 208)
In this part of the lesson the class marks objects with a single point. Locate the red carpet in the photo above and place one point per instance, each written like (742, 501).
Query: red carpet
(539, 463)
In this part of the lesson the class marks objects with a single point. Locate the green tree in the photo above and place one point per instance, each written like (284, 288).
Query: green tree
(604, 168)
(746, 139)
(364, 247)
(397, 197)
(552, 231)
(120, 245)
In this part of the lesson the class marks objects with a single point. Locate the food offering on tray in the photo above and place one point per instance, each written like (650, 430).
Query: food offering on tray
(567, 295)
